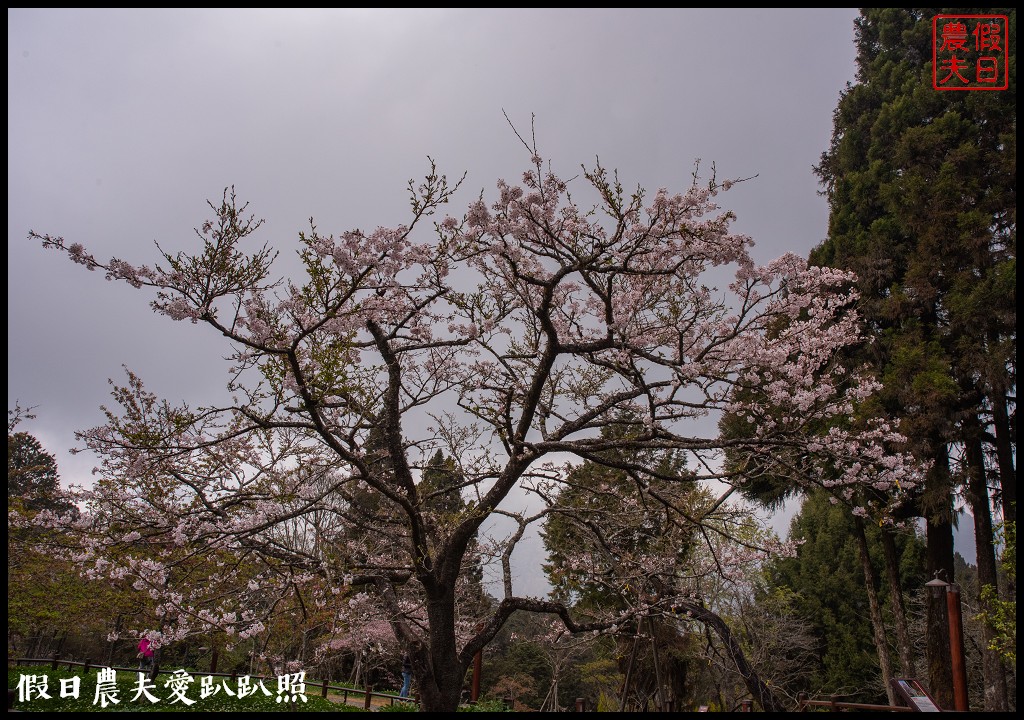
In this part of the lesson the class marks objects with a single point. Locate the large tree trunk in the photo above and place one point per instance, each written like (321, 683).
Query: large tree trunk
(977, 495)
(1004, 457)
(899, 611)
(939, 539)
(438, 671)
(877, 624)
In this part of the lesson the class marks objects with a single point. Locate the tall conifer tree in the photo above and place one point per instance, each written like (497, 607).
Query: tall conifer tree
(921, 185)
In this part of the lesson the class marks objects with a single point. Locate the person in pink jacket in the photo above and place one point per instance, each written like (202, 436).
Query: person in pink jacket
(145, 654)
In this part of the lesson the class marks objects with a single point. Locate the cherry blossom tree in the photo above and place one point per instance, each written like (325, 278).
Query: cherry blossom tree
(506, 338)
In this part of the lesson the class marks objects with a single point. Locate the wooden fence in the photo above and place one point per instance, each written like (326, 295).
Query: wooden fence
(837, 705)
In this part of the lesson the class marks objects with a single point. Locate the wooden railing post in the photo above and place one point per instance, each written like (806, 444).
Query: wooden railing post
(368, 700)
(56, 659)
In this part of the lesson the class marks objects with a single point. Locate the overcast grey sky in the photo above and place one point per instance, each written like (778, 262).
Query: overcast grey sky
(122, 123)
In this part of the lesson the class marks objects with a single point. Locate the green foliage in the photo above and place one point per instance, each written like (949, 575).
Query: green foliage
(921, 186)
(759, 477)
(47, 599)
(486, 706)
(440, 491)
(32, 478)
(522, 659)
(610, 510)
(825, 585)
(1001, 615)
(521, 672)
(441, 487)
(46, 596)
(399, 707)
(600, 677)
(922, 194)
(607, 703)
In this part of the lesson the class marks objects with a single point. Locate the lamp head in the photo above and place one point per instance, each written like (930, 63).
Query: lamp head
(937, 586)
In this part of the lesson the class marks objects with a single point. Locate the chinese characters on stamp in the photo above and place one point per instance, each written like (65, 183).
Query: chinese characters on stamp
(969, 52)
